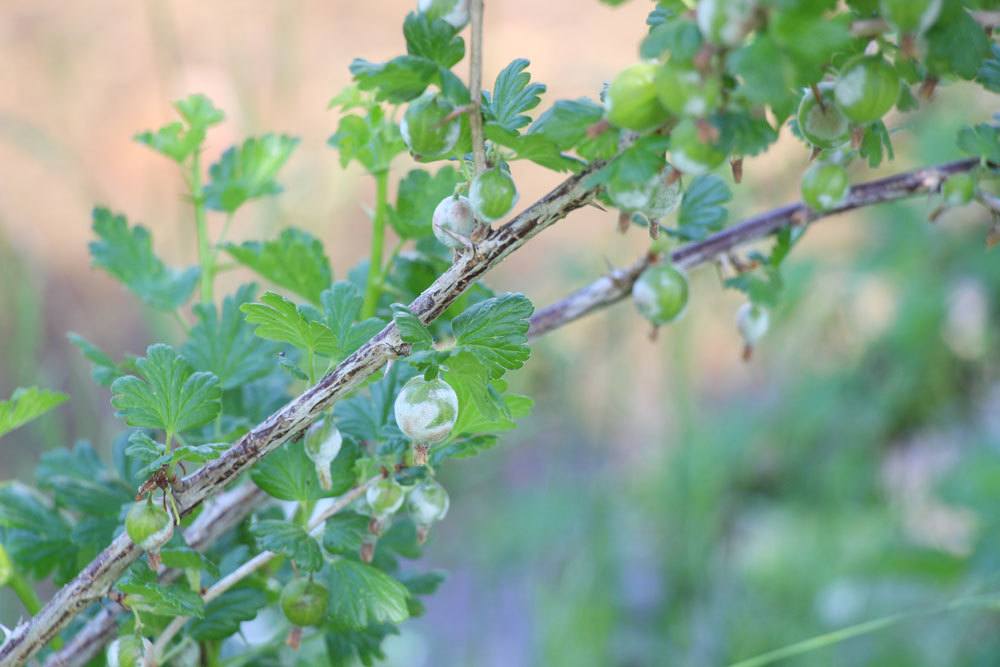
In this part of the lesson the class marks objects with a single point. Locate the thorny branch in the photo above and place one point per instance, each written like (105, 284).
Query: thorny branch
(95, 580)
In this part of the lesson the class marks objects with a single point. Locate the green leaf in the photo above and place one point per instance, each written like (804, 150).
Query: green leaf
(513, 94)
(26, 404)
(280, 320)
(982, 140)
(744, 134)
(341, 307)
(434, 39)
(874, 140)
(535, 147)
(400, 80)
(80, 482)
(989, 71)
(248, 172)
(346, 647)
(680, 38)
(177, 141)
(495, 331)
(419, 194)
(361, 595)
(127, 254)
(295, 260)
(956, 43)
(345, 532)
(411, 329)
(224, 614)
(186, 558)
(288, 474)
(226, 345)
(36, 535)
(481, 407)
(199, 112)
(702, 211)
(827, 35)
(565, 124)
(767, 75)
(162, 600)
(104, 370)
(170, 396)
(372, 140)
(290, 540)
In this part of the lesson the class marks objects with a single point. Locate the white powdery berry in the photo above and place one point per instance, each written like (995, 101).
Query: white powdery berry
(428, 502)
(850, 89)
(724, 21)
(752, 321)
(322, 443)
(453, 221)
(454, 12)
(130, 652)
(426, 410)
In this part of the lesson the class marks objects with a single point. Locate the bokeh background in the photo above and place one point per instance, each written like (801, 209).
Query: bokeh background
(667, 504)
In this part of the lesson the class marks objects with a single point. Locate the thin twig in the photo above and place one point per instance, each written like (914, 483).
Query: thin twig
(614, 287)
(476, 86)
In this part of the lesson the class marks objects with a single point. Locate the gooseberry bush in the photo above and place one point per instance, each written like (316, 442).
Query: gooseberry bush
(278, 457)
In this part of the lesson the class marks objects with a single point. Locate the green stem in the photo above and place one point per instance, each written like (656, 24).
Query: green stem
(373, 288)
(25, 593)
(206, 256)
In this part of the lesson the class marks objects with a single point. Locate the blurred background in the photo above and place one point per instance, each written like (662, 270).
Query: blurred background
(667, 503)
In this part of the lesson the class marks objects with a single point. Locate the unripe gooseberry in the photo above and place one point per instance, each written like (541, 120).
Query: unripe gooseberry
(660, 294)
(825, 186)
(867, 88)
(453, 221)
(304, 602)
(455, 12)
(690, 153)
(428, 502)
(426, 410)
(725, 22)
(656, 198)
(959, 189)
(385, 497)
(493, 194)
(683, 91)
(130, 651)
(823, 125)
(427, 127)
(149, 526)
(911, 16)
(752, 321)
(631, 100)
(322, 443)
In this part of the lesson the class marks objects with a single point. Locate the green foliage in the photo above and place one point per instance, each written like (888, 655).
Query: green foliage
(27, 404)
(295, 260)
(288, 474)
(513, 94)
(418, 196)
(169, 396)
(702, 211)
(127, 254)
(179, 141)
(248, 172)
(361, 595)
(290, 540)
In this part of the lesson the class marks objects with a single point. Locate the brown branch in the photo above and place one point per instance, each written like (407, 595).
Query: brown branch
(287, 423)
(614, 287)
